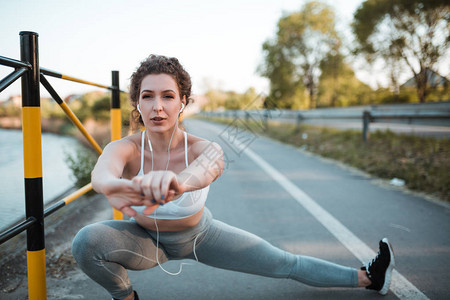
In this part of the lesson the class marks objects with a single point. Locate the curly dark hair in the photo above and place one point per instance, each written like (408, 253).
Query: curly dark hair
(159, 64)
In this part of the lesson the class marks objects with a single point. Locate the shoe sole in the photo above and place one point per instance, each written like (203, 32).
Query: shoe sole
(388, 275)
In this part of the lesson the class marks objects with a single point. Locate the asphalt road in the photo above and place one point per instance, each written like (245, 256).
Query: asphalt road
(248, 197)
(306, 205)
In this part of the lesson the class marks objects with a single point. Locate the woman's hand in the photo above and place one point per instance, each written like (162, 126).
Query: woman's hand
(122, 194)
(157, 187)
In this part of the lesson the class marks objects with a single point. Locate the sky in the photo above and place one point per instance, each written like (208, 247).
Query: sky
(218, 42)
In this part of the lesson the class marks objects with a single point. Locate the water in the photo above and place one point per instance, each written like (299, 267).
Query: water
(56, 175)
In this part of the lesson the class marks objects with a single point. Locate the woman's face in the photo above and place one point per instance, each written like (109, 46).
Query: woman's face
(160, 102)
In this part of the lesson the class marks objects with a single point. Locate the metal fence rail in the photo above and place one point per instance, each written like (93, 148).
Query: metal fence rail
(70, 114)
(437, 113)
(32, 76)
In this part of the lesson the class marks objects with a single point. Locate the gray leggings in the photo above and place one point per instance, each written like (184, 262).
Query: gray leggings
(105, 250)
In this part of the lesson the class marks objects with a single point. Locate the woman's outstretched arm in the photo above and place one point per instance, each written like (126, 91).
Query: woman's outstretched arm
(106, 178)
(207, 166)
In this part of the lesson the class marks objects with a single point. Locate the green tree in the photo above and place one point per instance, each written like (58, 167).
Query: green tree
(125, 109)
(81, 163)
(338, 85)
(97, 105)
(251, 99)
(248, 100)
(280, 71)
(9, 110)
(293, 58)
(413, 32)
(216, 99)
(100, 109)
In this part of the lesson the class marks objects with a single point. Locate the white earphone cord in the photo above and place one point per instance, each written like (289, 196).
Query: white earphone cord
(156, 223)
(157, 251)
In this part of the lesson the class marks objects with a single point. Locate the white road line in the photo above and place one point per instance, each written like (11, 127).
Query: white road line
(400, 286)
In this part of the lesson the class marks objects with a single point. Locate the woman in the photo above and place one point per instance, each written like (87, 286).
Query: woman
(160, 178)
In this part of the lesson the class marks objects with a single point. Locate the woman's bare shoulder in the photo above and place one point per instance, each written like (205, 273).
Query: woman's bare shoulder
(197, 145)
(133, 139)
(126, 144)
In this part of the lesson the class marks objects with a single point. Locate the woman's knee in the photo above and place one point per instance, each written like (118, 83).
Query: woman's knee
(86, 241)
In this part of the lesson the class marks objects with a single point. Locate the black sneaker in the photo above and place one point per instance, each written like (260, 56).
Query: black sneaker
(379, 270)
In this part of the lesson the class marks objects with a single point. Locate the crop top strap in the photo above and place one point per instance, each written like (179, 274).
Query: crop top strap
(141, 170)
(186, 150)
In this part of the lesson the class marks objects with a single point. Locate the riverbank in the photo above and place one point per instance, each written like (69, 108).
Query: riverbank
(10, 123)
(60, 228)
(100, 131)
(47, 125)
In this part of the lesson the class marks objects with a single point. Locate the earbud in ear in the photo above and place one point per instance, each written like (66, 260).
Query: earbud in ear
(138, 109)
(182, 107)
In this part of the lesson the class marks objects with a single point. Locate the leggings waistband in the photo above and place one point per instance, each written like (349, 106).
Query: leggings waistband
(187, 234)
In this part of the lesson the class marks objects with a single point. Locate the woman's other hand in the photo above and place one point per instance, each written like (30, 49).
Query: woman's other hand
(122, 194)
(158, 187)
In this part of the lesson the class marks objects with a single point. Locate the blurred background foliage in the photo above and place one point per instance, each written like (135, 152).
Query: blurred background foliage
(309, 62)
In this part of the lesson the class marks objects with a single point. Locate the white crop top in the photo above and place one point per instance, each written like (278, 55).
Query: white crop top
(187, 205)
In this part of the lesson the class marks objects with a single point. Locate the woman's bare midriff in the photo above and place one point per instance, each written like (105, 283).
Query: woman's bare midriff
(169, 225)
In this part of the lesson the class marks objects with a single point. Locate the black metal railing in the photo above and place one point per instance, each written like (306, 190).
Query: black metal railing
(32, 76)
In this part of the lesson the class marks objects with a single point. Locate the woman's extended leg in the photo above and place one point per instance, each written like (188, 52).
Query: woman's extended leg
(105, 250)
(227, 247)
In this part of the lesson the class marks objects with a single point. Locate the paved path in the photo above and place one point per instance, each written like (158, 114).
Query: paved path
(306, 205)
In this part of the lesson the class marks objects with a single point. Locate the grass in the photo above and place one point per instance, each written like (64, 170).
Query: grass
(422, 162)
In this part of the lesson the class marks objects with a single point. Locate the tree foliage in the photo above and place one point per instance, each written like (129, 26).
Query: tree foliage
(281, 72)
(219, 99)
(81, 163)
(96, 105)
(338, 85)
(9, 110)
(412, 32)
(292, 59)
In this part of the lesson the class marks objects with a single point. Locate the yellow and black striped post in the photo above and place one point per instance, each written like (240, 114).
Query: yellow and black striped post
(116, 122)
(70, 115)
(32, 154)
